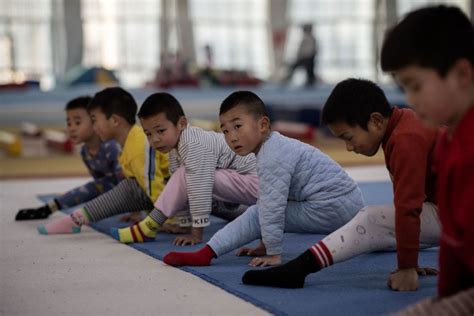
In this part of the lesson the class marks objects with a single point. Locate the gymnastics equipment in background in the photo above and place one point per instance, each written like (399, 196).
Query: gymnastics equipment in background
(30, 130)
(301, 131)
(58, 140)
(93, 75)
(10, 143)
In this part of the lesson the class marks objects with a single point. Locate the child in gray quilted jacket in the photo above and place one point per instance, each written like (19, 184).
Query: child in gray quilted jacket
(301, 190)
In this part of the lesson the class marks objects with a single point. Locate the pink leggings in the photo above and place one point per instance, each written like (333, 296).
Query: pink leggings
(229, 186)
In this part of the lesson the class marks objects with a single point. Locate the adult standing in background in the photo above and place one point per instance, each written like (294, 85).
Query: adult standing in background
(306, 57)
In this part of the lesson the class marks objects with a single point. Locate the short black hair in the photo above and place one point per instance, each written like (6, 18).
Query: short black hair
(161, 102)
(117, 101)
(78, 103)
(352, 101)
(249, 100)
(432, 37)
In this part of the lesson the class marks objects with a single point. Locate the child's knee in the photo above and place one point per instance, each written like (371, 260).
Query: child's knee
(376, 215)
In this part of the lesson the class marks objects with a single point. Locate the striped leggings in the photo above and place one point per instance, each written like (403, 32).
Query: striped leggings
(126, 197)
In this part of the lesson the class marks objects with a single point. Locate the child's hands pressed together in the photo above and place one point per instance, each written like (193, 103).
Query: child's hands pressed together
(265, 261)
(258, 251)
(193, 239)
(404, 280)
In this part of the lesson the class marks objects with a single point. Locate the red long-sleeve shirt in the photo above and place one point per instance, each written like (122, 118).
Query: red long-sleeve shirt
(455, 166)
(409, 153)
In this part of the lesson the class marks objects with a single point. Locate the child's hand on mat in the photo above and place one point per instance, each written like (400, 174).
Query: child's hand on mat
(258, 251)
(133, 217)
(426, 271)
(404, 280)
(193, 239)
(274, 260)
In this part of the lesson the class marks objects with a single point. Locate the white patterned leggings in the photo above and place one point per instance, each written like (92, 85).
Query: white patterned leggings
(373, 229)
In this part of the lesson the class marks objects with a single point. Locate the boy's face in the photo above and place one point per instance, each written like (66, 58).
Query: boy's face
(436, 100)
(357, 139)
(243, 133)
(162, 134)
(79, 125)
(103, 126)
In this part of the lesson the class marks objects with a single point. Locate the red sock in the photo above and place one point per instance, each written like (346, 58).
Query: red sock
(202, 257)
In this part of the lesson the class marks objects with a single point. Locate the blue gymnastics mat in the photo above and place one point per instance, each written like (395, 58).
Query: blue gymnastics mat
(354, 287)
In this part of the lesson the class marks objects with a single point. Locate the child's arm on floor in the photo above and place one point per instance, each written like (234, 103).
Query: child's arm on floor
(200, 167)
(274, 187)
(408, 165)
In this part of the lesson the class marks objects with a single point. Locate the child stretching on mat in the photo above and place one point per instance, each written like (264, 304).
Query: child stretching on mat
(300, 189)
(203, 167)
(100, 158)
(431, 54)
(358, 112)
(113, 113)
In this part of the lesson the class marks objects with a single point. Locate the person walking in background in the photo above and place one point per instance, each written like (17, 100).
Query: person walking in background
(306, 56)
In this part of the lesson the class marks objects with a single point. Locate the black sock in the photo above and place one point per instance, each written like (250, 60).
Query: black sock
(289, 275)
(33, 213)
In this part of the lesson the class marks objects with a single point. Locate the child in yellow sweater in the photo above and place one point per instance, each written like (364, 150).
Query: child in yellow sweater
(113, 112)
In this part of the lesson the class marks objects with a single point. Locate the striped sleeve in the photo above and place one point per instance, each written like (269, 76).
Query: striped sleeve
(200, 165)
(173, 161)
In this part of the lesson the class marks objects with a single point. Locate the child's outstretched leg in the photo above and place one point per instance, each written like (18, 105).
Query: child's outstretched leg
(202, 257)
(172, 199)
(370, 230)
(290, 275)
(239, 232)
(127, 196)
(141, 232)
(38, 213)
(70, 224)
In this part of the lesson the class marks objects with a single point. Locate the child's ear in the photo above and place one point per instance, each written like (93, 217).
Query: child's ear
(464, 72)
(265, 123)
(377, 119)
(115, 119)
(182, 122)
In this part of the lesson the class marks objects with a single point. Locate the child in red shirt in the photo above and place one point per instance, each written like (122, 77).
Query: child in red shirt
(358, 112)
(431, 54)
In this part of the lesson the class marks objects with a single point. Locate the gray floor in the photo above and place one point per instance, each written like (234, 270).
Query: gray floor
(92, 274)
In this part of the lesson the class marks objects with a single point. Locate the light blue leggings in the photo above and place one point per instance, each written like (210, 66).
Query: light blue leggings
(313, 217)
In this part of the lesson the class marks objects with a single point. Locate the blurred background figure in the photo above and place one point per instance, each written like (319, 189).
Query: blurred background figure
(306, 56)
(209, 56)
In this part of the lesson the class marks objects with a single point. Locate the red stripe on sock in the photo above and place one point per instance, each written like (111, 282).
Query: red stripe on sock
(316, 256)
(134, 236)
(321, 254)
(144, 237)
(326, 251)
